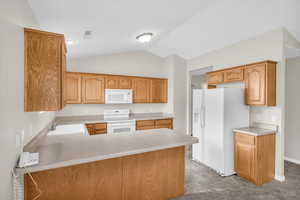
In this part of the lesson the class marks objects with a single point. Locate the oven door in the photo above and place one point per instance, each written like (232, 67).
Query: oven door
(120, 128)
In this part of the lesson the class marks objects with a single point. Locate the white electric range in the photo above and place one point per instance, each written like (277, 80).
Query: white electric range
(118, 121)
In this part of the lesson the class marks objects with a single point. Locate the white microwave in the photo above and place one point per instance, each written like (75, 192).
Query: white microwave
(118, 96)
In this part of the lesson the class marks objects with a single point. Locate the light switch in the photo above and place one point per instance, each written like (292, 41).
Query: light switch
(20, 139)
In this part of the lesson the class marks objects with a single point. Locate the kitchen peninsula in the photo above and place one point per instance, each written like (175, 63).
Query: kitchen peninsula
(147, 164)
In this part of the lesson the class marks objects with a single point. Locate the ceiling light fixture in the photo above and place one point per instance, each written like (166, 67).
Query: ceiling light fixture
(145, 37)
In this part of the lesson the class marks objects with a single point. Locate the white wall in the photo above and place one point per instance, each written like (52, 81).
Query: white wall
(14, 15)
(268, 46)
(136, 63)
(292, 148)
(178, 85)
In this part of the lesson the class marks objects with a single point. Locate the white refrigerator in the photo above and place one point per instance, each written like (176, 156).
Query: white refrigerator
(216, 112)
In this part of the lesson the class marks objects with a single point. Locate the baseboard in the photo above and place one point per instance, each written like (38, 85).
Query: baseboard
(280, 178)
(292, 160)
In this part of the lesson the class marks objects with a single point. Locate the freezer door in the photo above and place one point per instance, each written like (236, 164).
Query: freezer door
(197, 149)
(214, 128)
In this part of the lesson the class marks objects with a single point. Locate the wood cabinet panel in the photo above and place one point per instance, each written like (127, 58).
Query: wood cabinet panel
(44, 68)
(73, 88)
(153, 124)
(260, 83)
(215, 78)
(141, 90)
(118, 82)
(245, 155)
(157, 175)
(255, 157)
(234, 75)
(64, 74)
(111, 82)
(159, 91)
(245, 139)
(93, 89)
(255, 82)
(265, 161)
(125, 83)
(101, 180)
(145, 123)
(164, 123)
(98, 128)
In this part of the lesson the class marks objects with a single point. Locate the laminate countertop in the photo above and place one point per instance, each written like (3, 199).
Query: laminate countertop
(85, 119)
(255, 131)
(65, 150)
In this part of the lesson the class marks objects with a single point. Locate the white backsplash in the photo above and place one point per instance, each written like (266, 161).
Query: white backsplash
(265, 115)
(96, 109)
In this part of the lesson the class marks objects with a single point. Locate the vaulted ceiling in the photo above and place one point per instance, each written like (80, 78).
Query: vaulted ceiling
(114, 23)
(186, 28)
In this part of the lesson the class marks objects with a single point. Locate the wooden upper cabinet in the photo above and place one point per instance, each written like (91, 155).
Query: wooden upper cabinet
(234, 75)
(111, 82)
(44, 68)
(215, 78)
(93, 89)
(117, 82)
(159, 91)
(125, 83)
(260, 82)
(64, 72)
(141, 90)
(73, 88)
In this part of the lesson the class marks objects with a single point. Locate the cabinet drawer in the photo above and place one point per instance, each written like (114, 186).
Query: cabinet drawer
(145, 127)
(232, 75)
(99, 131)
(215, 78)
(100, 126)
(169, 126)
(163, 122)
(245, 139)
(145, 123)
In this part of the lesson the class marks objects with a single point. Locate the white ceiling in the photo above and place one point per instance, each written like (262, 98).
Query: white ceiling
(114, 23)
(228, 22)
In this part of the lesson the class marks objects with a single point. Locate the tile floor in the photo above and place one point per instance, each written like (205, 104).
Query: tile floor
(205, 184)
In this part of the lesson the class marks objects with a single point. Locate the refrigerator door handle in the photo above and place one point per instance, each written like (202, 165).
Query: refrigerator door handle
(202, 117)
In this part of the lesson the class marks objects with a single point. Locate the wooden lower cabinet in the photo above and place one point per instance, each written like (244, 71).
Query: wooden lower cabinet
(101, 180)
(154, 124)
(145, 124)
(164, 123)
(157, 175)
(95, 129)
(255, 157)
